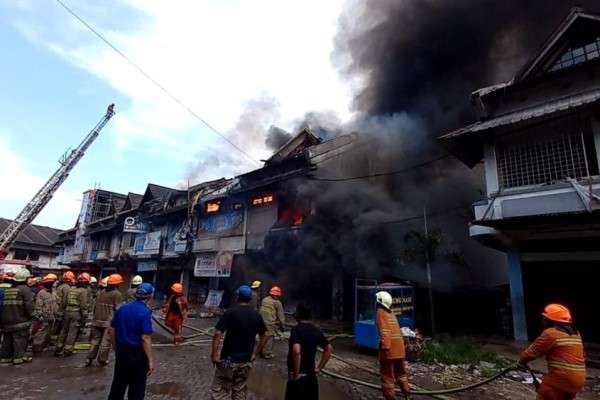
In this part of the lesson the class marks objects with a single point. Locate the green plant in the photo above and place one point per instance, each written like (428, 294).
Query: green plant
(460, 350)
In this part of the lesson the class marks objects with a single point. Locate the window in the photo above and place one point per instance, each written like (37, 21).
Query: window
(546, 155)
(213, 207)
(262, 200)
(578, 55)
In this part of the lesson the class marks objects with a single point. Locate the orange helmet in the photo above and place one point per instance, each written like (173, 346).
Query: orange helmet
(49, 278)
(177, 288)
(276, 291)
(115, 279)
(557, 313)
(84, 277)
(68, 277)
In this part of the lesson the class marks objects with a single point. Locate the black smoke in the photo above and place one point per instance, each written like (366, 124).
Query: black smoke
(276, 137)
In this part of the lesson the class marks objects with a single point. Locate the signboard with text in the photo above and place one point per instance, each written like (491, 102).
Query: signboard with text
(134, 225)
(213, 265)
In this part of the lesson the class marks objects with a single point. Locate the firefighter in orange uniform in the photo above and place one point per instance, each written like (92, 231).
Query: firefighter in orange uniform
(391, 349)
(561, 344)
(176, 310)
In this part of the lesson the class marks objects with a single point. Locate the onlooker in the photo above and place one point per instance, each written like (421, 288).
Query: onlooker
(132, 327)
(304, 340)
(255, 300)
(240, 324)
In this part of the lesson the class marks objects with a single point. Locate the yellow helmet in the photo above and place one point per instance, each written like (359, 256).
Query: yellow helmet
(256, 284)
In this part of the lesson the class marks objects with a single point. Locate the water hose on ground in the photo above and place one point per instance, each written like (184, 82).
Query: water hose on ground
(432, 392)
(187, 337)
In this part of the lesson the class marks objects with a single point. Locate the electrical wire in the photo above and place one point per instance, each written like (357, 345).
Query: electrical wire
(400, 171)
(154, 81)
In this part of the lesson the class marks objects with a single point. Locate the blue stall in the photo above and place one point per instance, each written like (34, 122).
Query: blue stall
(365, 331)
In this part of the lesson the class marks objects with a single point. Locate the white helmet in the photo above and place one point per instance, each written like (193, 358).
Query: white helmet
(93, 280)
(137, 280)
(385, 299)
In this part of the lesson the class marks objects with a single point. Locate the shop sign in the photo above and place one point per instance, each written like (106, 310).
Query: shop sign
(152, 242)
(213, 264)
(223, 223)
(403, 301)
(146, 266)
(213, 300)
(134, 225)
(180, 246)
(138, 244)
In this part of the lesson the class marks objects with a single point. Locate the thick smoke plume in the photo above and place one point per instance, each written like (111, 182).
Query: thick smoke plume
(416, 62)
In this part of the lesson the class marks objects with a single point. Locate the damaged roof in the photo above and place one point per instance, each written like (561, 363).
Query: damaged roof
(43, 236)
(295, 146)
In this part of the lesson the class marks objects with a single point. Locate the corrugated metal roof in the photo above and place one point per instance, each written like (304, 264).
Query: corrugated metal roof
(34, 234)
(552, 107)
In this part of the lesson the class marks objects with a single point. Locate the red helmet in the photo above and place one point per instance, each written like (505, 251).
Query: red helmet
(276, 291)
(84, 277)
(177, 288)
(68, 277)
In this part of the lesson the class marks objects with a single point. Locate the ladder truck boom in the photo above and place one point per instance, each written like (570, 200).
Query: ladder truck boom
(43, 196)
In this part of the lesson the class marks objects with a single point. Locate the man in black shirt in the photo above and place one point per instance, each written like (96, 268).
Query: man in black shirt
(304, 340)
(240, 324)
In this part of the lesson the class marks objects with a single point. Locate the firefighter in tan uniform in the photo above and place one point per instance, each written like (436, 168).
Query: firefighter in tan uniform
(75, 314)
(392, 354)
(106, 304)
(45, 313)
(136, 281)
(15, 320)
(272, 313)
(67, 280)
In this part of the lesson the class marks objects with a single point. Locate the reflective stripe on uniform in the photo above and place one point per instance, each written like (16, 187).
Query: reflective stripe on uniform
(12, 297)
(568, 341)
(567, 366)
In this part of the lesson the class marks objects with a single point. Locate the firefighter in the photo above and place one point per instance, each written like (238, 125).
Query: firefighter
(67, 280)
(561, 344)
(103, 284)
(271, 310)
(255, 300)
(15, 320)
(136, 281)
(45, 312)
(106, 304)
(392, 354)
(176, 311)
(75, 311)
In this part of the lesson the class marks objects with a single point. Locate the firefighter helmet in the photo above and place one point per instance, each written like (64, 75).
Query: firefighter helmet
(276, 291)
(49, 278)
(22, 275)
(137, 280)
(68, 277)
(557, 313)
(104, 282)
(256, 284)
(115, 279)
(84, 277)
(177, 288)
(385, 299)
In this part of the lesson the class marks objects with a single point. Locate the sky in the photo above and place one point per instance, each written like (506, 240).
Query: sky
(241, 65)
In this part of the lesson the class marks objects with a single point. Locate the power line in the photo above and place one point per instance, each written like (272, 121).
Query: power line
(400, 171)
(154, 81)
(429, 214)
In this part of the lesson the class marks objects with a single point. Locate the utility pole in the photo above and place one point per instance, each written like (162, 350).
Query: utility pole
(428, 268)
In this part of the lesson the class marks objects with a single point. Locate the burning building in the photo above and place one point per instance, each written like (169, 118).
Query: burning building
(538, 137)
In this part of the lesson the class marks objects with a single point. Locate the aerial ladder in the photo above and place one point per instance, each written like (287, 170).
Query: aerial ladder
(44, 195)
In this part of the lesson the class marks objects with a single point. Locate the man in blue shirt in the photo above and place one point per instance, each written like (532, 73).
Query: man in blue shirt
(132, 330)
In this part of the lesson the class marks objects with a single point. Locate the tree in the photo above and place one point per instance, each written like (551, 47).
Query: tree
(423, 245)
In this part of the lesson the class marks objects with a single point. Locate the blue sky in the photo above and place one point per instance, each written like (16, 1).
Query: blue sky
(221, 57)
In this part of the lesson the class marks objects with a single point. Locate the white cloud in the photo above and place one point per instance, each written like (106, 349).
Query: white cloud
(19, 186)
(214, 55)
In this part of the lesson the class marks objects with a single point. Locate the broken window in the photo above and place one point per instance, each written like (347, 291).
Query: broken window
(577, 55)
(546, 154)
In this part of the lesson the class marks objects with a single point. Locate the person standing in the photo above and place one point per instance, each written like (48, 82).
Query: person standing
(302, 374)
(176, 311)
(45, 312)
(392, 354)
(15, 320)
(75, 313)
(561, 344)
(255, 301)
(240, 325)
(136, 281)
(271, 310)
(132, 331)
(67, 280)
(100, 336)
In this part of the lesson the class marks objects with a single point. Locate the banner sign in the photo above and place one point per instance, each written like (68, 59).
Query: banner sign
(213, 264)
(138, 244)
(205, 265)
(403, 301)
(223, 223)
(134, 225)
(152, 242)
(149, 265)
(214, 298)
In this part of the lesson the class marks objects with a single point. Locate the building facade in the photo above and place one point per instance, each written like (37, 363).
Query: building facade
(538, 136)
